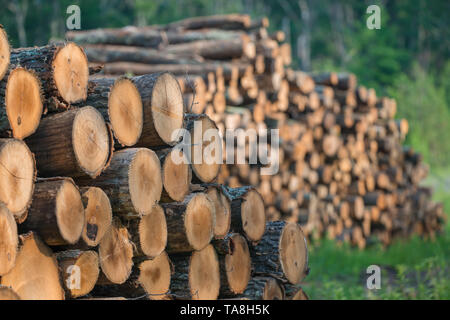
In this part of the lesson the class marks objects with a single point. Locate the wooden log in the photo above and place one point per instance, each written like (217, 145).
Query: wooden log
(21, 97)
(247, 212)
(196, 277)
(203, 146)
(120, 103)
(282, 252)
(299, 295)
(9, 240)
(149, 233)
(190, 223)
(79, 271)
(162, 101)
(235, 264)
(4, 52)
(56, 213)
(176, 174)
(35, 275)
(264, 288)
(72, 144)
(98, 215)
(7, 293)
(229, 22)
(222, 206)
(116, 253)
(17, 175)
(63, 71)
(132, 182)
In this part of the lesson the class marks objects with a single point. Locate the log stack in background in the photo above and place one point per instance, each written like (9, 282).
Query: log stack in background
(343, 169)
(94, 203)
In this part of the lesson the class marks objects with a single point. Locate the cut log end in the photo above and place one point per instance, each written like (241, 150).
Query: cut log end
(35, 275)
(155, 275)
(7, 294)
(69, 212)
(17, 175)
(199, 221)
(253, 216)
(238, 264)
(145, 181)
(4, 52)
(272, 290)
(223, 211)
(91, 141)
(8, 240)
(125, 112)
(293, 253)
(80, 272)
(116, 254)
(98, 215)
(167, 108)
(153, 232)
(24, 110)
(71, 73)
(176, 175)
(204, 274)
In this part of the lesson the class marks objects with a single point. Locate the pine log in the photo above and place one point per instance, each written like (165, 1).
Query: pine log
(190, 223)
(98, 215)
(229, 22)
(234, 263)
(132, 182)
(196, 277)
(17, 176)
(247, 212)
(21, 103)
(176, 174)
(282, 252)
(203, 146)
(35, 275)
(73, 143)
(63, 71)
(9, 240)
(56, 213)
(155, 275)
(79, 271)
(6, 293)
(222, 206)
(116, 253)
(4, 52)
(264, 288)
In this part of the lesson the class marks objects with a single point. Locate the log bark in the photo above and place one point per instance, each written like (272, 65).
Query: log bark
(63, 71)
(73, 143)
(17, 176)
(264, 288)
(35, 275)
(132, 182)
(247, 212)
(281, 253)
(9, 240)
(190, 224)
(56, 213)
(196, 277)
(229, 22)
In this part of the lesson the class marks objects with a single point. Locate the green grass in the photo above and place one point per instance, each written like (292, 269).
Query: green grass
(411, 269)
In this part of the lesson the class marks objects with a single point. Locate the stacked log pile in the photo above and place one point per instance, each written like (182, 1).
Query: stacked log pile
(343, 169)
(99, 198)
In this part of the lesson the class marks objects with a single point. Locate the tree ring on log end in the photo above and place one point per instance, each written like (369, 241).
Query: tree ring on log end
(253, 216)
(238, 264)
(144, 180)
(23, 101)
(155, 275)
(69, 212)
(98, 216)
(4, 52)
(125, 112)
(91, 141)
(153, 232)
(199, 221)
(17, 174)
(71, 73)
(176, 176)
(223, 211)
(293, 253)
(167, 107)
(204, 274)
(8, 240)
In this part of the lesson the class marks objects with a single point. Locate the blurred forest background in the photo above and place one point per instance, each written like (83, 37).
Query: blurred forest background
(408, 58)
